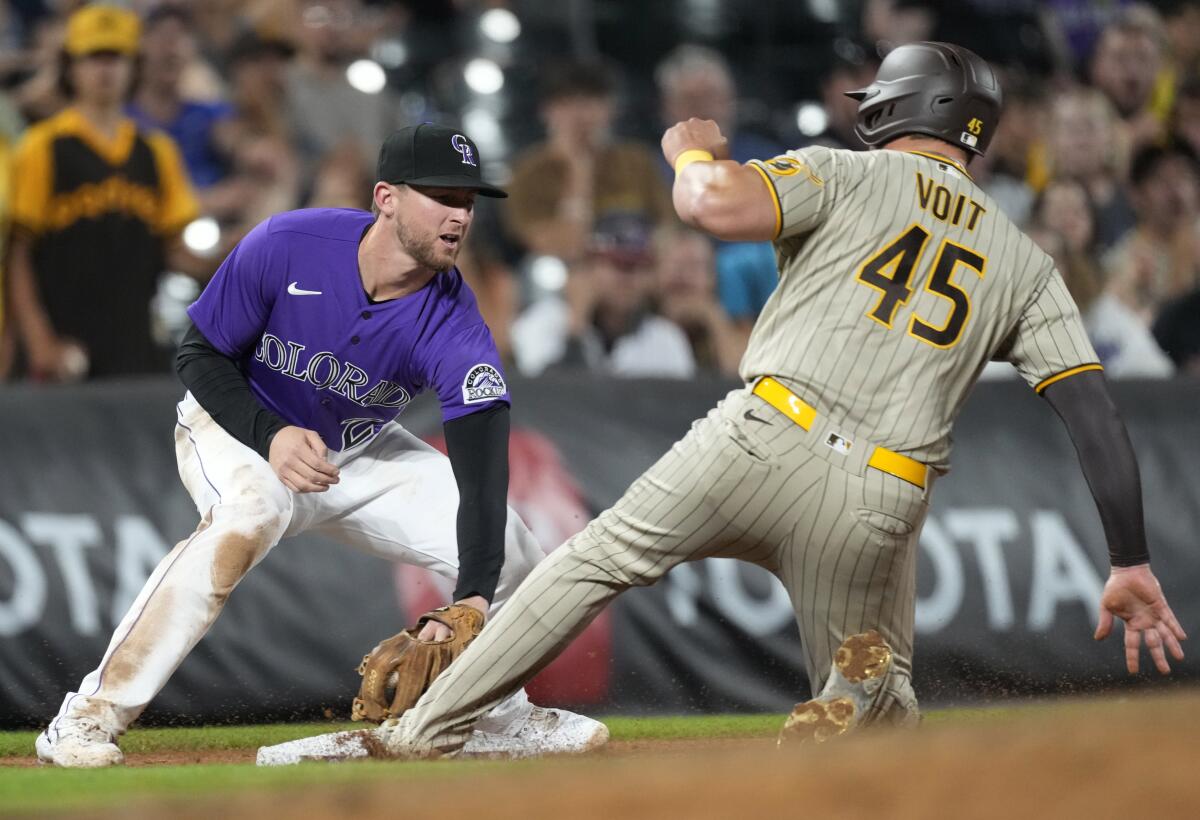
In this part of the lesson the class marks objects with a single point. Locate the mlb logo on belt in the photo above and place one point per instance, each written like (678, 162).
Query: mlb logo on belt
(838, 443)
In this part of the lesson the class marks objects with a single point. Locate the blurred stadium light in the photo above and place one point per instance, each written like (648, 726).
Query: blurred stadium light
(500, 25)
(366, 76)
(483, 76)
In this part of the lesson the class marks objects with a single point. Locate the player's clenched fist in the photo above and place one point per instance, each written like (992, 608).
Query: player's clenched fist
(703, 135)
(298, 458)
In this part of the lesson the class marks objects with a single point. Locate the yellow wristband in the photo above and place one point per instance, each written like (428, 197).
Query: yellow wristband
(689, 156)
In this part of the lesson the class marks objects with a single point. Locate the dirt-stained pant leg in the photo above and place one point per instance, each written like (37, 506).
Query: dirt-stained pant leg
(850, 566)
(744, 483)
(693, 503)
(245, 511)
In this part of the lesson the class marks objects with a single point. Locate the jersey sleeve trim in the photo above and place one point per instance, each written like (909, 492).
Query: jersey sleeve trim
(1057, 377)
(774, 197)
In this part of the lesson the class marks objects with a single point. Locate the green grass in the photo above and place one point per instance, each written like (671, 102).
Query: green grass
(40, 789)
(45, 789)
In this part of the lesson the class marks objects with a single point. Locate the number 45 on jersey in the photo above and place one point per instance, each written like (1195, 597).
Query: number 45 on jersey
(891, 270)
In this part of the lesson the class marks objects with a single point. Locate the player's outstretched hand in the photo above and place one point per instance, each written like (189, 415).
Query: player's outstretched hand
(298, 458)
(1133, 595)
(435, 631)
(704, 135)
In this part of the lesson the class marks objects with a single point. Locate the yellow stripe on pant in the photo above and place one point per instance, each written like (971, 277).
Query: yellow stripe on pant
(804, 414)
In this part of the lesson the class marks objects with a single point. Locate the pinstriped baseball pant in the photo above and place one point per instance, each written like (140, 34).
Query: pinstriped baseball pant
(745, 482)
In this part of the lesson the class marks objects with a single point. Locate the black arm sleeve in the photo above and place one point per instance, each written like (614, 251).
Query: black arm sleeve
(478, 449)
(217, 383)
(1106, 455)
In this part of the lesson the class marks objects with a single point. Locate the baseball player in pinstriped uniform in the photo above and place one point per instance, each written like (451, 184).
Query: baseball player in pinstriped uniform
(899, 280)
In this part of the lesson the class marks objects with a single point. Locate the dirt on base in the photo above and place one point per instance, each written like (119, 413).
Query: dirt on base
(1130, 758)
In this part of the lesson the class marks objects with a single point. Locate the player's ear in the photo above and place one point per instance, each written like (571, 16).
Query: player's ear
(384, 199)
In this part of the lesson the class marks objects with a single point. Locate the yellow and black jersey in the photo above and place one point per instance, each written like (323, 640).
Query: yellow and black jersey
(99, 209)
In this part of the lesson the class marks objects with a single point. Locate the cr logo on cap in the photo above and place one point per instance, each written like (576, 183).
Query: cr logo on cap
(463, 147)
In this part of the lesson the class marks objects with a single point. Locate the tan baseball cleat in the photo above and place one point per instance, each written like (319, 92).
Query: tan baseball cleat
(860, 667)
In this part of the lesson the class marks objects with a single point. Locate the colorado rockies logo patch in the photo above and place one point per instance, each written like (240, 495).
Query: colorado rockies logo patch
(463, 147)
(483, 383)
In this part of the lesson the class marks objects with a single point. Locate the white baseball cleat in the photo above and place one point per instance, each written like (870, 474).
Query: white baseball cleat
(543, 732)
(78, 743)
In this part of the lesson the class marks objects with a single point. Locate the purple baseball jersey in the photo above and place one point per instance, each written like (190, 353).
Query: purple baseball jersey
(288, 305)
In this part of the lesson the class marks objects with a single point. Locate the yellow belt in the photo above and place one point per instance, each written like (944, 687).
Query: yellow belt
(804, 414)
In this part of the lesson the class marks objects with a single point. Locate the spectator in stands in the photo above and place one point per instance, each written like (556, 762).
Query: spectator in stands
(1128, 67)
(1182, 20)
(686, 295)
(1159, 260)
(1063, 226)
(1186, 121)
(342, 180)
(204, 131)
(487, 263)
(694, 81)
(849, 70)
(1083, 143)
(891, 23)
(1063, 209)
(1177, 330)
(326, 111)
(606, 322)
(1015, 163)
(97, 211)
(39, 94)
(580, 173)
(265, 177)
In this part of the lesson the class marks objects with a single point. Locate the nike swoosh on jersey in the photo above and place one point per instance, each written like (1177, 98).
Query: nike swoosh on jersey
(749, 416)
(295, 291)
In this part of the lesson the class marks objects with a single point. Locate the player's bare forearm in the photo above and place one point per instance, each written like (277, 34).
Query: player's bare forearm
(725, 199)
(728, 200)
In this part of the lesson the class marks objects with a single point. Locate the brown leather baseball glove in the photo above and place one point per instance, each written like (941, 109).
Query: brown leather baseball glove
(398, 671)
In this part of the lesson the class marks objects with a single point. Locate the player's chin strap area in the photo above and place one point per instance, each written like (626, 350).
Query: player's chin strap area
(805, 415)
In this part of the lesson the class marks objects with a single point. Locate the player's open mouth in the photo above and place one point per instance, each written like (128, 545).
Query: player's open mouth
(450, 239)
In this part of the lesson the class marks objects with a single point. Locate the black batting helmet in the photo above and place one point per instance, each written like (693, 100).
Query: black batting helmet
(938, 89)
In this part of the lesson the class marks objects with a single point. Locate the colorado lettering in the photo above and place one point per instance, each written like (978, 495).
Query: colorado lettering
(945, 206)
(324, 370)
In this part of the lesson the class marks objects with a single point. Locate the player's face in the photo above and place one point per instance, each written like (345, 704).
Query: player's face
(432, 224)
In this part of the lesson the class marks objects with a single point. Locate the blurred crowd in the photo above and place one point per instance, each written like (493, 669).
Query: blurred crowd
(140, 140)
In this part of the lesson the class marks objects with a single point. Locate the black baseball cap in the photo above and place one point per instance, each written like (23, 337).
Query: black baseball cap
(433, 155)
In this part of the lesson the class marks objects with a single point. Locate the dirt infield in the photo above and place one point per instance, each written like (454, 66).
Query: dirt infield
(1127, 758)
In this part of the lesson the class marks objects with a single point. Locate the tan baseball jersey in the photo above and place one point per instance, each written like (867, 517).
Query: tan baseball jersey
(899, 280)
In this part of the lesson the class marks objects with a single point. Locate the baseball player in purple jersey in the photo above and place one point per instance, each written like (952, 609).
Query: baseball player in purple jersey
(313, 336)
